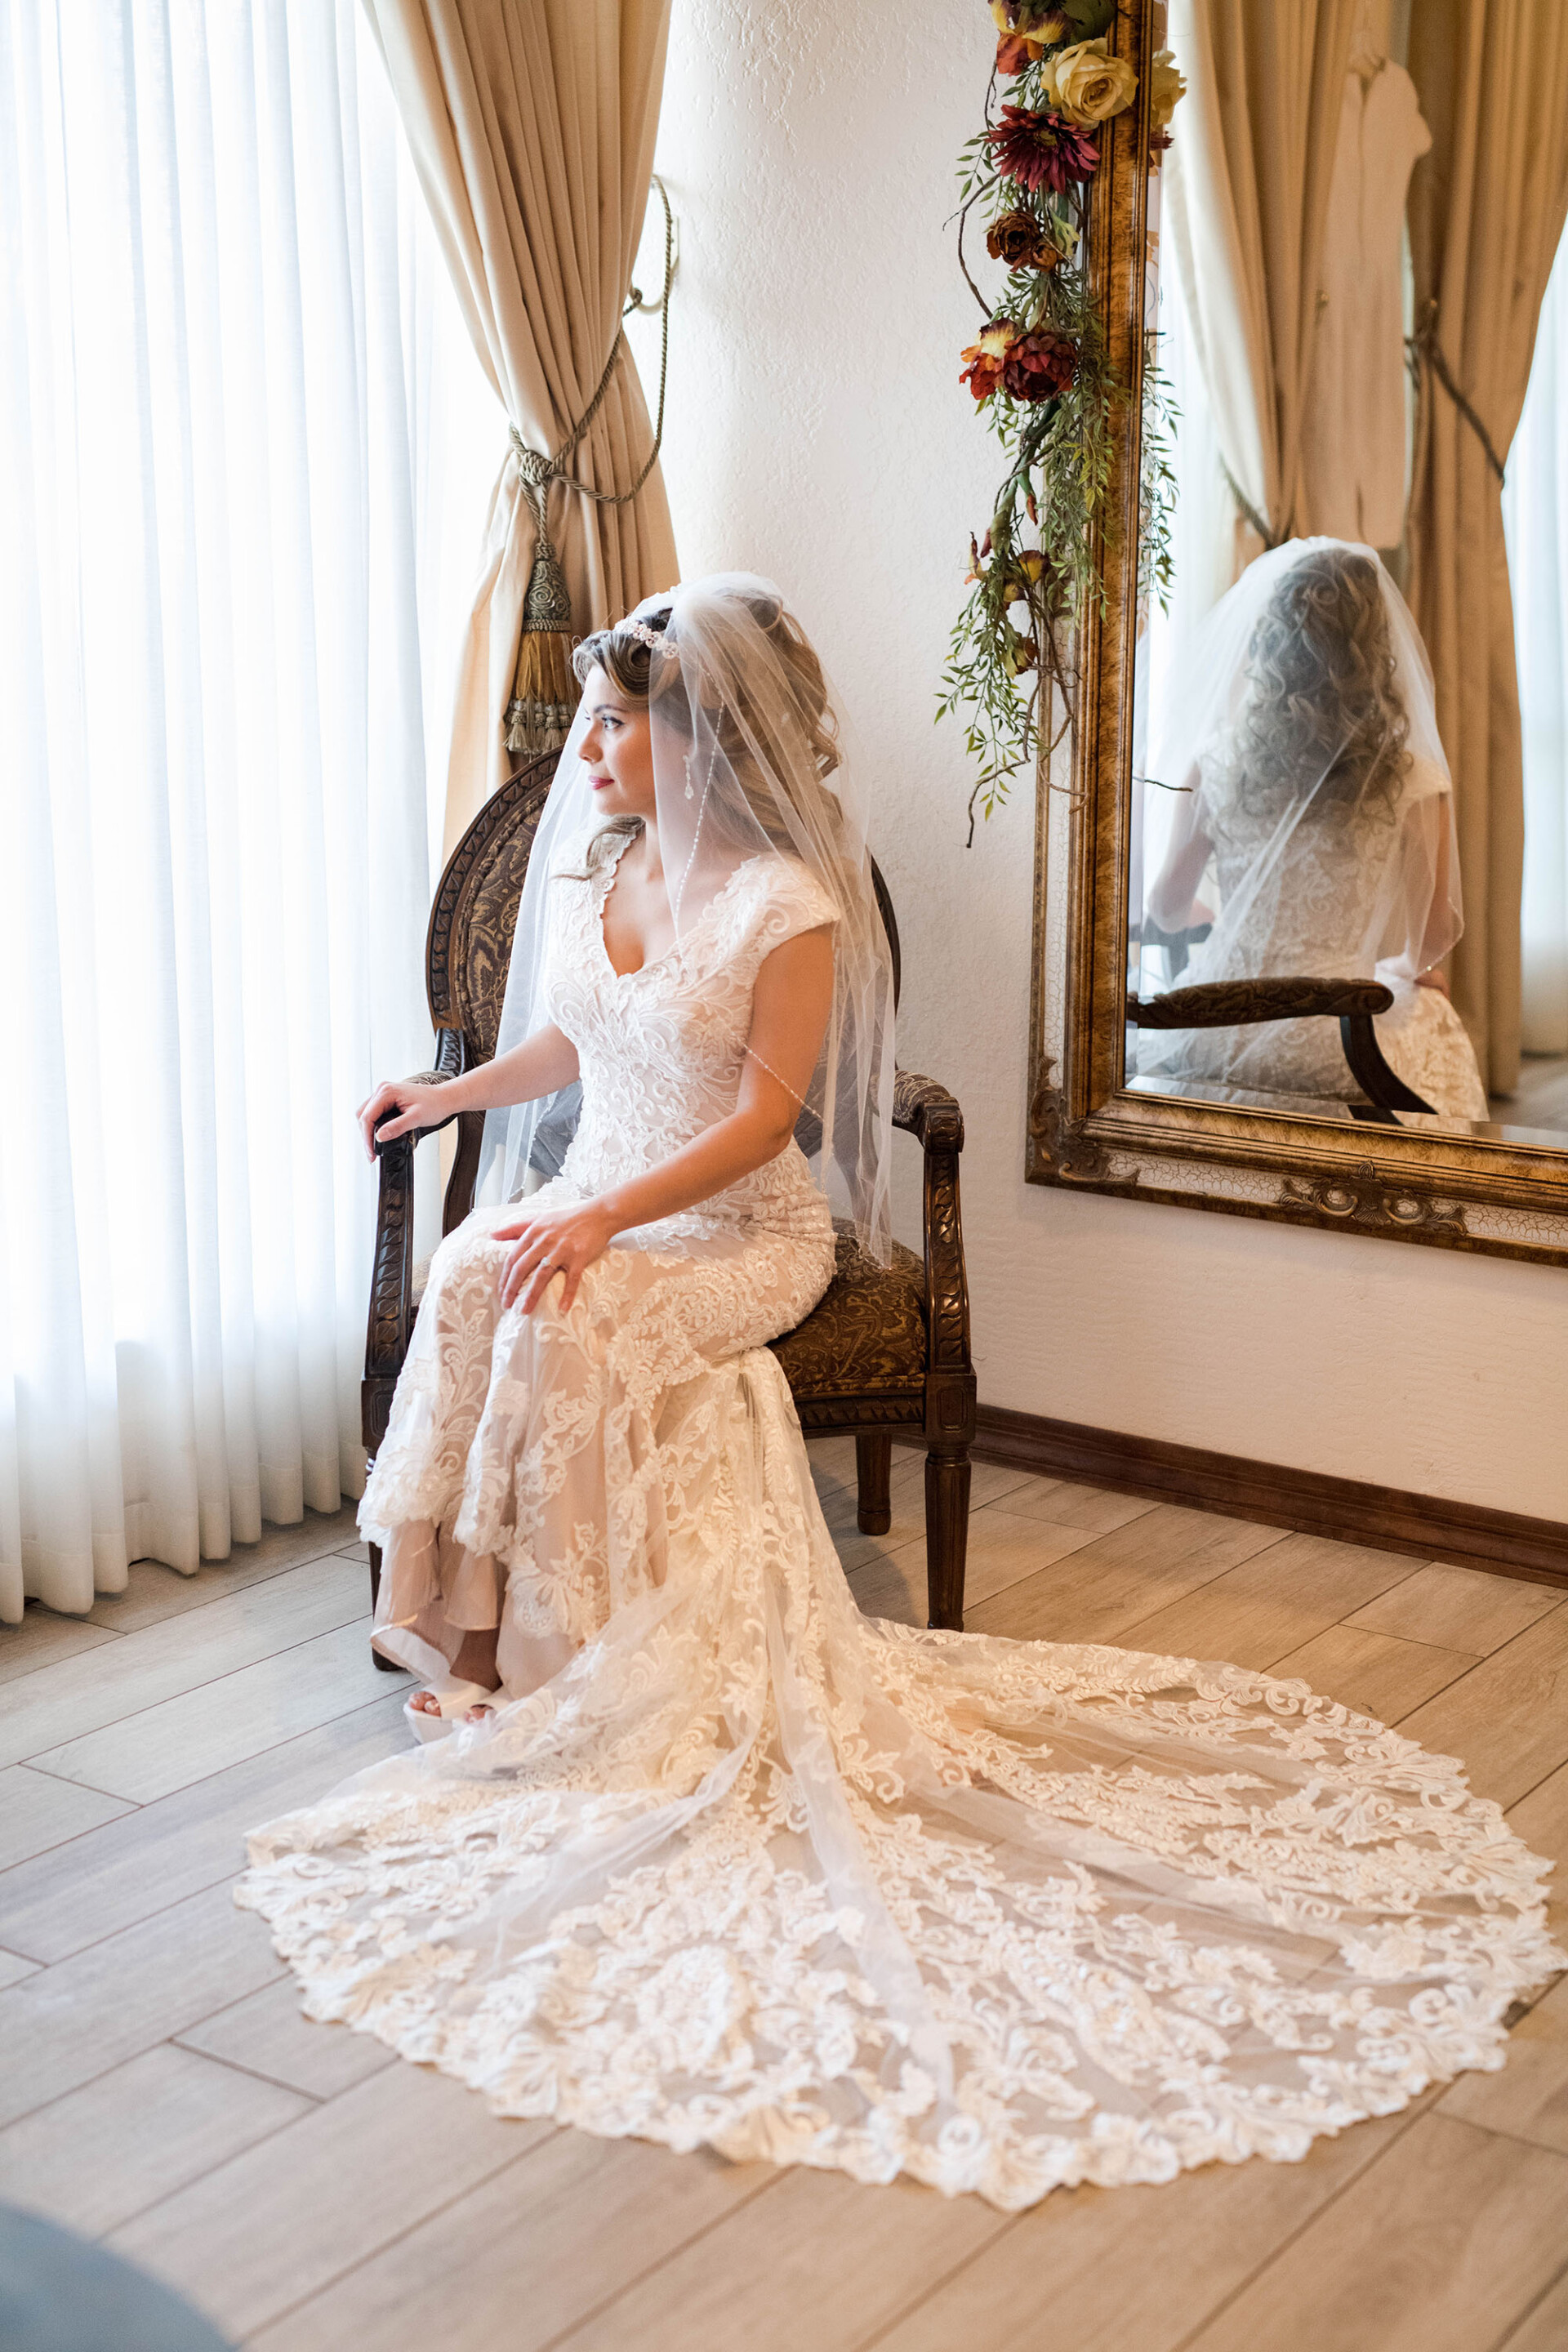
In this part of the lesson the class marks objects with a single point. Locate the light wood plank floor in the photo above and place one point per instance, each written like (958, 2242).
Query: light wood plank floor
(158, 2088)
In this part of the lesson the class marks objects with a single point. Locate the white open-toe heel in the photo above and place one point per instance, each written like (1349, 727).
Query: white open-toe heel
(456, 1700)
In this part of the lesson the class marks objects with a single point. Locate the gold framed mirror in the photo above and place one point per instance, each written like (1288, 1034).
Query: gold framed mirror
(1112, 1108)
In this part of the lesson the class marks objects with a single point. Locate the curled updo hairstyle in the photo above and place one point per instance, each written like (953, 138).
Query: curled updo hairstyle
(746, 722)
(1323, 727)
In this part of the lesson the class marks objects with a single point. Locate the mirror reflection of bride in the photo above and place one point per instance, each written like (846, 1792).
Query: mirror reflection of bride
(1315, 832)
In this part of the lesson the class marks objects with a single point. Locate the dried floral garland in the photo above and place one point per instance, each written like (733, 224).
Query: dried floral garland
(1040, 372)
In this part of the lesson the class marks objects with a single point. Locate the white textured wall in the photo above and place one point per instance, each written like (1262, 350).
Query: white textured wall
(817, 433)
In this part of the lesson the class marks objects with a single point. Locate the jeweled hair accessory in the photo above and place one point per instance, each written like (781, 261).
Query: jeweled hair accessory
(655, 639)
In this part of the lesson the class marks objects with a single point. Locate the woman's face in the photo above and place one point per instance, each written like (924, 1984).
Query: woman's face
(617, 750)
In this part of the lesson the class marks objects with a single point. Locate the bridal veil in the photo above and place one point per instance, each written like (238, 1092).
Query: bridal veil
(743, 766)
(1300, 737)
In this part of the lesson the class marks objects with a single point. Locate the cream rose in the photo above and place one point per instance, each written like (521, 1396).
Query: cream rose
(1167, 85)
(1087, 84)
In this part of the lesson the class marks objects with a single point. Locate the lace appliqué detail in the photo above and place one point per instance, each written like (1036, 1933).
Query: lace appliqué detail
(737, 1867)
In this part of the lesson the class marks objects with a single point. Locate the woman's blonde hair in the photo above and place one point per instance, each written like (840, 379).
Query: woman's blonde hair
(1322, 725)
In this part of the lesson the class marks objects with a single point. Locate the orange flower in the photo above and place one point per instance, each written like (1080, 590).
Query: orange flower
(1029, 28)
(988, 358)
(1038, 22)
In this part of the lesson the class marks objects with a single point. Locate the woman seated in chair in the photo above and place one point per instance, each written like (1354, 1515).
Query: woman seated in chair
(1314, 831)
(719, 1860)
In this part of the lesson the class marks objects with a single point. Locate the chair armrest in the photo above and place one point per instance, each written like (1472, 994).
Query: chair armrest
(1227, 1003)
(926, 1111)
(1230, 1003)
(449, 1060)
(392, 1267)
(1383, 1086)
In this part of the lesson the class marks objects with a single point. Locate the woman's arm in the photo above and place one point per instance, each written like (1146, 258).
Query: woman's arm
(541, 1065)
(789, 1016)
(1169, 895)
(1423, 917)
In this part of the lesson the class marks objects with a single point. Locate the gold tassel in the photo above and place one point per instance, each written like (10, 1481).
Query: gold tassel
(544, 693)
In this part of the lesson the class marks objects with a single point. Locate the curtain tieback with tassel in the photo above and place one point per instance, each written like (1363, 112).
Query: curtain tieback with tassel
(544, 692)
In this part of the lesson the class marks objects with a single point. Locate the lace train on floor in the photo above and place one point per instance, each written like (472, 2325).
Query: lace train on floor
(753, 1871)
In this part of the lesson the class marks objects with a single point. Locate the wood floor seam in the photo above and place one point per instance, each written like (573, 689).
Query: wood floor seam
(209, 1682)
(325, 2286)
(1123, 1640)
(67, 1780)
(1412, 2115)
(1497, 2131)
(1525, 1794)
(1395, 1720)
(585, 2319)
(1502, 2343)
(1010, 2222)
(26, 2114)
(197, 1780)
(68, 1959)
(254, 2073)
(126, 2219)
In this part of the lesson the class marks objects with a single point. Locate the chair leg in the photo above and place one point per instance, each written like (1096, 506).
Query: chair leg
(387, 1666)
(873, 1466)
(947, 1533)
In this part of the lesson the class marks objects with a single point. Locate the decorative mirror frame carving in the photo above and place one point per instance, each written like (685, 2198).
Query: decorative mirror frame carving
(1088, 1133)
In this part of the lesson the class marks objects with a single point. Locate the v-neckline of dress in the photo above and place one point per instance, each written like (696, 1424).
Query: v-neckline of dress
(601, 900)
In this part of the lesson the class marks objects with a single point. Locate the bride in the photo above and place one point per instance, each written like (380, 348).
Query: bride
(1316, 810)
(699, 1854)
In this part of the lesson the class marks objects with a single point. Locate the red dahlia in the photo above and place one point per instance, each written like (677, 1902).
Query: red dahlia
(1043, 150)
(1039, 366)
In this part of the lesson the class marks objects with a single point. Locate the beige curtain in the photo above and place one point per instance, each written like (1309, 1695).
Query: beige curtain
(1248, 194)
(1487, 209)
(532, 124)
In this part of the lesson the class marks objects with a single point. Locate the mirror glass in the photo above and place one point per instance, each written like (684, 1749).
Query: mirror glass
(1292, 804)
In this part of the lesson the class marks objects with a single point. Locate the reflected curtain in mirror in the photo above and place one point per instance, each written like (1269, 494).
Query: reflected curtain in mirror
(1246, 200)
(1486, 209)
(1535, 514)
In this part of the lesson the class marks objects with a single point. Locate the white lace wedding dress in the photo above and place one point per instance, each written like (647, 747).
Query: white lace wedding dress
(1315, 910)
(738, 1866)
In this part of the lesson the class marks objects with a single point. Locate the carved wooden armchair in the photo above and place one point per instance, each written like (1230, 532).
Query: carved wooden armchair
(1233, 1003)
(885, 1353)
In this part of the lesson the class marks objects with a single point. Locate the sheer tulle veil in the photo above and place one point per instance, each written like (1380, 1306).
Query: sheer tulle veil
(1269, 743)
(746, 764)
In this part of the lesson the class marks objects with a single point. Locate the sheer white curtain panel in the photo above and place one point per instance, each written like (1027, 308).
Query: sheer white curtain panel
(1535, 519)
(240, 439)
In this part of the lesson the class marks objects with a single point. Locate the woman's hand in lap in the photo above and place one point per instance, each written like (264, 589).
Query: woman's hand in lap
(418, 1106)
(564, 1240)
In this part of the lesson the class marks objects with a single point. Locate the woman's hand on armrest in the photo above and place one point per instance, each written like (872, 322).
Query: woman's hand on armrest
(416, 1106)
(541, 1065)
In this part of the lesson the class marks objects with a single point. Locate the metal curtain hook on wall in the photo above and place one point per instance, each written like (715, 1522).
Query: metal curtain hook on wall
(671, 262)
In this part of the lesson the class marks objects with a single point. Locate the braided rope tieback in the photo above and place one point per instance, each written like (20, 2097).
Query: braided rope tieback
(544, 692)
